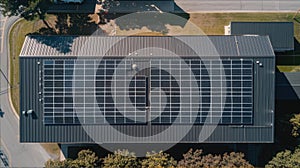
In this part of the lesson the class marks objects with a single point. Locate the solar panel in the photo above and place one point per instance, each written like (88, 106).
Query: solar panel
(91, 94)
(88, 91)
(234, 107)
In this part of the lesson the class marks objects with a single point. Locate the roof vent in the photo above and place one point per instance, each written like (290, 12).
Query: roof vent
(134, 67)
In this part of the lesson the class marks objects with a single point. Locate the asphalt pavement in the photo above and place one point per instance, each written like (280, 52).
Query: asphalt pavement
(2, 22)
(239, 5)
(127, 6)
(19, 154)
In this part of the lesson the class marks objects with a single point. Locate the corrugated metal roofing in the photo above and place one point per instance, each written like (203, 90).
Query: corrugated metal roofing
(281, 33)
(38, 48)
(288, 86)
(162, 46)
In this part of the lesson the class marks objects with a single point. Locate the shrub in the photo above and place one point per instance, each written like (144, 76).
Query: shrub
(121, 159)
(158, 160)
(196, 160)
(286, 159)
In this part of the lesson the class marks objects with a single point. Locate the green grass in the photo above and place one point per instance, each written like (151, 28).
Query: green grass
(289, 68)
(16, 39)
(213, 23)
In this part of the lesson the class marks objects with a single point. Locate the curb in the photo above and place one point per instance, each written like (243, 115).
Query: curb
(8, 74)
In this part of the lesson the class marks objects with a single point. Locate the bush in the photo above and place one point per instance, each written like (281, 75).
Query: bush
(295, 121)
(286, 159)
(121, 159)
(191, 159)
(235, 160)
(58, 164)
(86, 158)
(196, 159)
(158, 160)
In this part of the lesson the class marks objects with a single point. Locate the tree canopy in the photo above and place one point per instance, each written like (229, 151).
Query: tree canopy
(195, 159)
(286, 159)
(86, 158)
(158, 160)
(121, 159)
(295, 121)
(28, 9)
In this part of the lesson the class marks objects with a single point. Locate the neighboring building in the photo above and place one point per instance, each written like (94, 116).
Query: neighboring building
(281, 33)
(71, 85)
(287, 86)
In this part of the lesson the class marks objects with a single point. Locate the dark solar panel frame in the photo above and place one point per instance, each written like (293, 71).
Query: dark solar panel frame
(91, 103)
(238, 101)
(84, 96)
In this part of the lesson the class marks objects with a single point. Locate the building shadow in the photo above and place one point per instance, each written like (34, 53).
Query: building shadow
(290, 57)
(297, 46)
(61, 44)
(286, 86)
(154, 15)
(154, 21)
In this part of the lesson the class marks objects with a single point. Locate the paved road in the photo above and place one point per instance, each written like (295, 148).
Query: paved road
(19, 154)
(239, 5)
(187, 5)
(2, 21)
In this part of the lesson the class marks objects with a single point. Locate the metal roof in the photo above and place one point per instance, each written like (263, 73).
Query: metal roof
(281, 33)
(147, 46)
(288, 85)
(33, 129)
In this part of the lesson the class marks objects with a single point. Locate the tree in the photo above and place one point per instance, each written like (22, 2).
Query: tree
(12, 7)
(196, 160)
(285, 159)
(235, 160)
(295, 121)
(191, 159)
(86, 158)
(28, 9)
(121, 159)
(158, 160)
(58, 164)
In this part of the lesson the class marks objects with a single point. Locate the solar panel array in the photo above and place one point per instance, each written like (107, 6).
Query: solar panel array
(111, 91)
(224, 91)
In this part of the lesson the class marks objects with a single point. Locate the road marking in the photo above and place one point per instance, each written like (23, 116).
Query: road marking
(2, 41)
(7, 152)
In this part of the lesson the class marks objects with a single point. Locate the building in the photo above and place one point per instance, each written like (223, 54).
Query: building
(287, 86)
(281, 33)
(151, 89)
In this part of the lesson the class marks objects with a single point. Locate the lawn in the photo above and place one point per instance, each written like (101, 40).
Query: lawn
(213, 23)
(16, 39)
